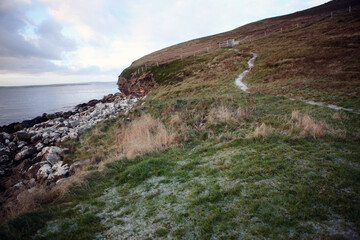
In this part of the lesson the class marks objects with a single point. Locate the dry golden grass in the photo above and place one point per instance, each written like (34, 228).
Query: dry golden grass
(340, 116)
(242, 113)
(263, 130)
(309, 126)
(144, 135)
(176, 120)
(220, 114)
(225, 114)
(25, 200)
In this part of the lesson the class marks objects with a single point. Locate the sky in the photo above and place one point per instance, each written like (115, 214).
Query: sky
(69, 41)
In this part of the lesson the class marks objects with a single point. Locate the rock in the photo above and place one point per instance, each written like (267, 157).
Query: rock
(46, 141)
(25, 152)
(78, 166)
(60, 170)
(45, 173)
(4, 159)
(21, 168)
(46, 135)
(32, 182)
(73, 134)
(5, 136)
(12, 146)
(2, 172)
(39, 146)
(34, 160)
(18, 185)
(65, 138)
(31, 173)
(37, 137)
(22, 136)
(4, 150)
(52, 154)
(137, 85)
(21, 144)
(54, 135)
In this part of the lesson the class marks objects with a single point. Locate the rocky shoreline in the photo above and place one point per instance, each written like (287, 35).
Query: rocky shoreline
(29, 155)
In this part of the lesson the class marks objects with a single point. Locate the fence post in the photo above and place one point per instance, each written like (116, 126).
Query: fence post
(219, 45)
(207, 49)
(281, 30)
(157, 64)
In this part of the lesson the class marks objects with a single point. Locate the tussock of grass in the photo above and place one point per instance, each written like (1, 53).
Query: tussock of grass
(223, 114)
(143, 136)
(263, 130)
(220, 114)
(243, 113)
(309, 126)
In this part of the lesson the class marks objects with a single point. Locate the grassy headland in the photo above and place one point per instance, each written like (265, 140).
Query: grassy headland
(227, 164)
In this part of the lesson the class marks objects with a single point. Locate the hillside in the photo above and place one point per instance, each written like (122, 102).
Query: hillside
(307, 54)
(199, 158)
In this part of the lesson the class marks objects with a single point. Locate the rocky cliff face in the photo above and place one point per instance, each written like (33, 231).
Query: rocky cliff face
(137, 85)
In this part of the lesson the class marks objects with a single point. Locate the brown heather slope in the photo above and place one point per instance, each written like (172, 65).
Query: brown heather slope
(306, 54)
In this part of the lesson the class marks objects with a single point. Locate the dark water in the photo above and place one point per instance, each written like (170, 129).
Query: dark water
(23, 103)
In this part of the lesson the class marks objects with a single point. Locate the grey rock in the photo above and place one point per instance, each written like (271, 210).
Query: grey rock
(46, 141)
(54, 135)
(45, 172)
(5, 135)
(60, 170)
(52, 154)
(37, 137)
(21, 144)
(73, 134)
(22, 136)
(4, 150)
(4, 159)
(65, 138)
(25, 152)
(46, 135)
(39, 146)
(12, 146)
(33, 170)
(18, 185)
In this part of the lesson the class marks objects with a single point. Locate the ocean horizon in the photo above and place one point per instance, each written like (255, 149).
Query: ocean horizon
(19, 103)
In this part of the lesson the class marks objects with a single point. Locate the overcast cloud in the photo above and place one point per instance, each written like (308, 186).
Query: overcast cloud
(52, 41)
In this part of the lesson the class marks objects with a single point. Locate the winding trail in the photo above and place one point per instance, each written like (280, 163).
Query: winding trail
(240, 84)
(238, 80)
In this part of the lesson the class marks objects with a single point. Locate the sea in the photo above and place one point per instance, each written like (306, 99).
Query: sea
(27, 102)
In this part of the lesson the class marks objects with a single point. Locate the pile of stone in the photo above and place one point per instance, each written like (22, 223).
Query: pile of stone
(31, 155)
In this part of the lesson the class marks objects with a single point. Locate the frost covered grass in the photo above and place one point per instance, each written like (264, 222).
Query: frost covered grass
(272, 187)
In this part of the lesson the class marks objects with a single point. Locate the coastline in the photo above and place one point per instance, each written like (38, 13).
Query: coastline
(30, 156)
